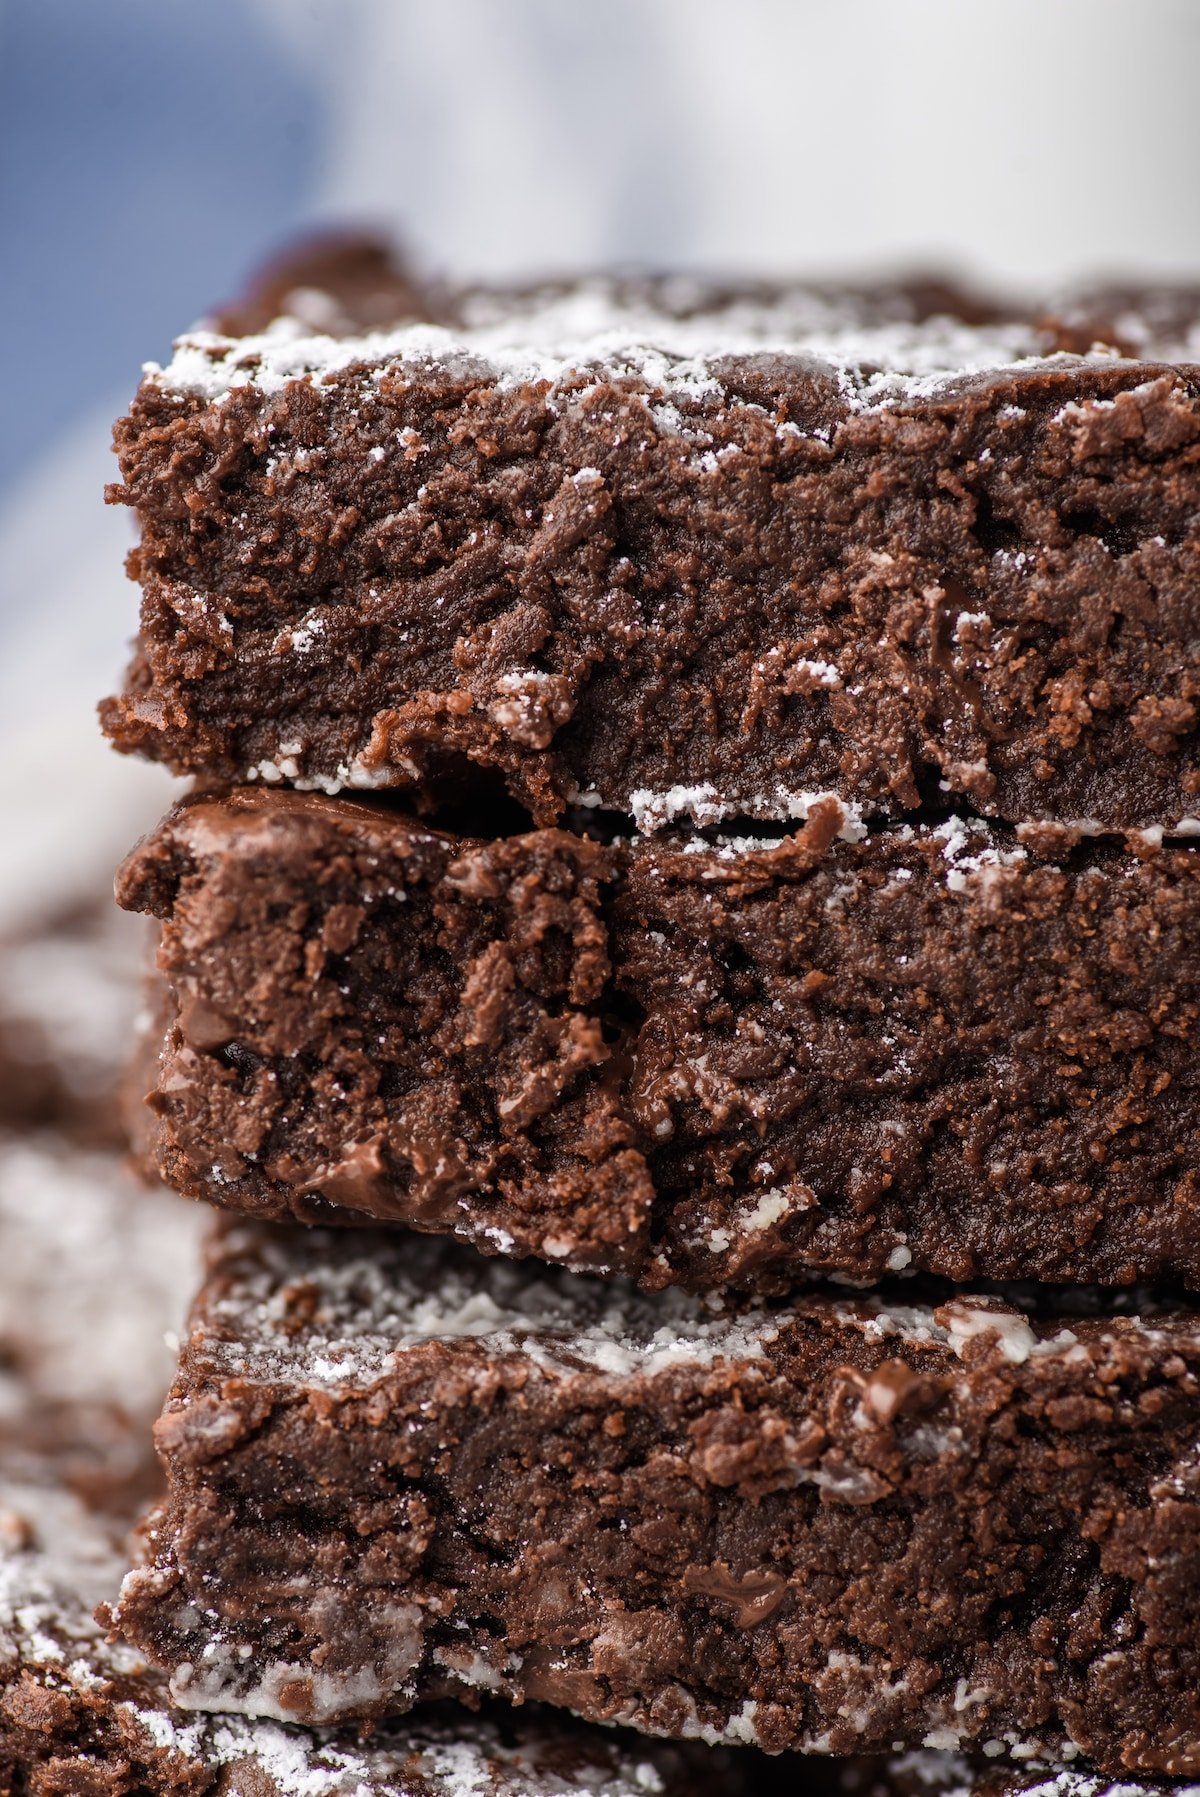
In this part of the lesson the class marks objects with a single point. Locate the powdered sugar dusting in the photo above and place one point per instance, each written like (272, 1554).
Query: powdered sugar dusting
(75, 1231)
(970, 847)
(950, 1775)
(467, 1758)
(377, 1300)
(705, 806)
(367, 1298)
(56, 1561)
(595, 332)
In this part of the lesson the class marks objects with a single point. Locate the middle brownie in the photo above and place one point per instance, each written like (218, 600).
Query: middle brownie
(687, 1061)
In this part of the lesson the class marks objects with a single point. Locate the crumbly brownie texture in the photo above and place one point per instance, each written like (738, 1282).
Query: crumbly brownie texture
(683, 1061)
(68, 995)
(82, 1717)
(93, 1270)
(396, 1471)
(680, 553)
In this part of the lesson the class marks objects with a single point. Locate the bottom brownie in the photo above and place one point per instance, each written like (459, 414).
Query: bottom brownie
(397, 1471)
(80, 1717)
(93, 1270)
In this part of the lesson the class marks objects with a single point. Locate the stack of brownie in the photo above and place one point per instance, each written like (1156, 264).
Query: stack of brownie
(765, 972)
(93, 1270)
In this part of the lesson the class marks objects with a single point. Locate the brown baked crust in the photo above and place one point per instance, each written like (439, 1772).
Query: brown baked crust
(92, 1271)
(687, 1062)
(619, 583)
(338, 280)
(81, 1717)
(395, 1470)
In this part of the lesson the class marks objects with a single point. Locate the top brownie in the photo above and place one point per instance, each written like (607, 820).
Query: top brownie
(672, 550)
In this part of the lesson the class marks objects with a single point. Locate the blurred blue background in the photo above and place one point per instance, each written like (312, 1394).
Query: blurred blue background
(147, 151)
(151, 151)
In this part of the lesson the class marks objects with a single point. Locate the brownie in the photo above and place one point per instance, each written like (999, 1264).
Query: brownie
(93, 1270)
(671, 550)
(345, 281)
(396, 1471)
(687, 1061)
(82, 1717)
(339, 282)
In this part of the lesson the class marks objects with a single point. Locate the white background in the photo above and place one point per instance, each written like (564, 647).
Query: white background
(1027, 138)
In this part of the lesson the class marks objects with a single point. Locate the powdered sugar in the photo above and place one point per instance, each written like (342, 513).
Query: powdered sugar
(470, 1757)
(89, 1257)
(970, 846)
(705, 806)
(950, 1776)
(595, 332)
(56, 1561)
(229, 1679)
(377, 1302)
(358, 775)
(367, 1300)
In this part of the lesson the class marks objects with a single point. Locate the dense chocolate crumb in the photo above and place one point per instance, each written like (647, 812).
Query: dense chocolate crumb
(396, 1471)
(93, 1271)
(688, 1061)
(677, 550)
(82, 1717)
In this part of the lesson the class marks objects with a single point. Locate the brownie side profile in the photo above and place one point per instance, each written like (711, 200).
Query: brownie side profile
(699, 1063)
(93, 1270)
(396, 1471)
(82, 1717)
(679, 561)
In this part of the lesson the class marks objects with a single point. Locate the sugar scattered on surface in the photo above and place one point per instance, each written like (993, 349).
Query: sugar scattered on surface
(705, 806)
(367, 1301)
(377, 1302)
(971, 846)
(594, 331)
